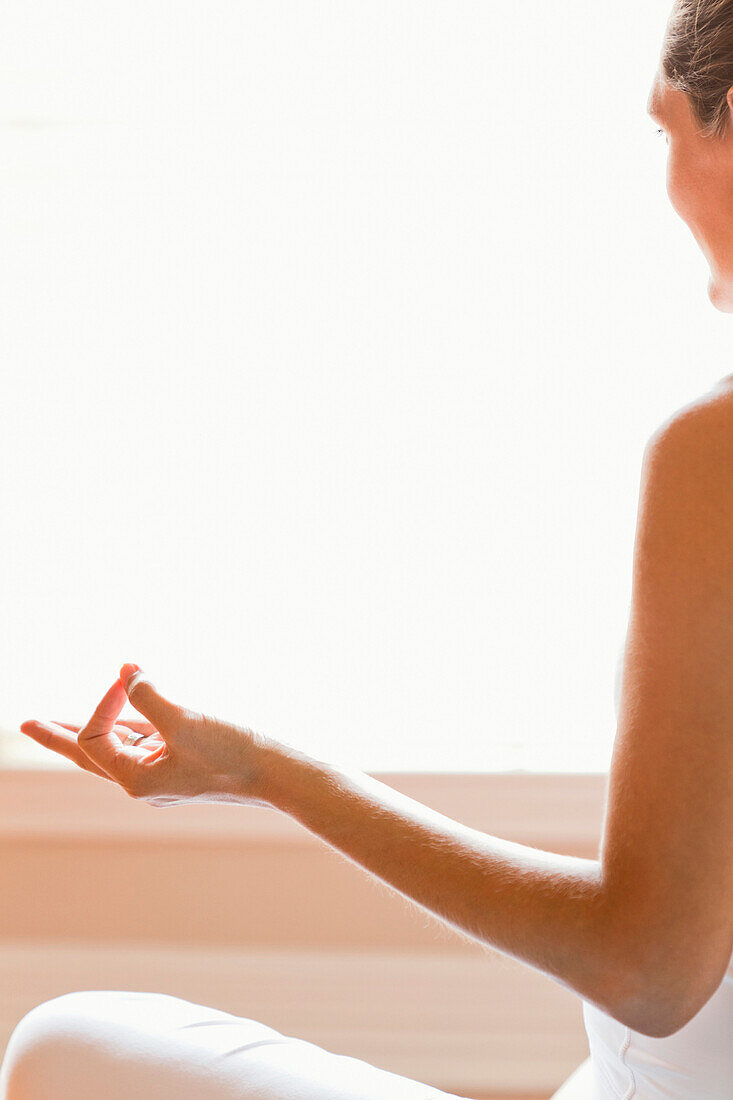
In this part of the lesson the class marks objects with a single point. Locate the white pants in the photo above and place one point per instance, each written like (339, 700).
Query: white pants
(112, 1045)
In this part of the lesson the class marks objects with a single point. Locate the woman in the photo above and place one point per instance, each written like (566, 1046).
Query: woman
(644, 935)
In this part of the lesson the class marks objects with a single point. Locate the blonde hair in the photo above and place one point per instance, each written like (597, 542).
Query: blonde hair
(697, 58)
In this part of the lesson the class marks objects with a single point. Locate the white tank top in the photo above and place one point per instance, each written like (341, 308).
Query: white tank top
(696, 1063)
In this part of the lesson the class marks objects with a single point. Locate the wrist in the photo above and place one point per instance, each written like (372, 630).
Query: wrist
(282, 771)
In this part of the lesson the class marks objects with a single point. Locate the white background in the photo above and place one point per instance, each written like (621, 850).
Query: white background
(332, 335)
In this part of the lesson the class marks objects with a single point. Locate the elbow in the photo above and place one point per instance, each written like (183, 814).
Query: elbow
(660, 1007)
(657, 983)
(658, 1020)
(649, 1015)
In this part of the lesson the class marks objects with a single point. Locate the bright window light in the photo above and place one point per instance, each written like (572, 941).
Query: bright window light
(332, 336)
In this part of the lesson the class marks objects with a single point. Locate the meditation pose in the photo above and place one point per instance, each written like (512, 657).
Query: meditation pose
(643, 934)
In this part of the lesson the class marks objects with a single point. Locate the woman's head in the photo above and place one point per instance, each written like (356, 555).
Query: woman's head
(692, 101)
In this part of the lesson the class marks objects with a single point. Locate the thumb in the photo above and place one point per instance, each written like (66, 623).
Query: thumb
(145, 697)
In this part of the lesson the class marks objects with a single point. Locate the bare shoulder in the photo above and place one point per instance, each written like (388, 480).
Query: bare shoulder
(707, 418)
(688, 465)
(683, 549)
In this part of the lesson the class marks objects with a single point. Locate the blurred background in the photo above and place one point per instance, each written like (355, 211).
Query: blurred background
(332, 336)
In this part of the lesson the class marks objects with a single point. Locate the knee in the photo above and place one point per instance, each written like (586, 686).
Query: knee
(43, 1042)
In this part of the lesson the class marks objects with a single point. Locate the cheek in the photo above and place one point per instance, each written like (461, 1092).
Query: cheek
(696, 198)
(678, 186)
(694, 189)
(689, 197)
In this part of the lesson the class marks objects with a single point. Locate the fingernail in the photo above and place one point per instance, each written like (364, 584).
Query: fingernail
(135, 679)
(127, 671)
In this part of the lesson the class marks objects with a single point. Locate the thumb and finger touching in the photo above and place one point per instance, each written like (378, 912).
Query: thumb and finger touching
(145, 698)
(183, 755)
(99, 738)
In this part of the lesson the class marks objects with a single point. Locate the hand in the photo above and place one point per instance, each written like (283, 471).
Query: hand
(184, 756)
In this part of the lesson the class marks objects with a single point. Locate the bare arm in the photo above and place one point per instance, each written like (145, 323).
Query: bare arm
(667, 845)
(542, 908)
(646, 932)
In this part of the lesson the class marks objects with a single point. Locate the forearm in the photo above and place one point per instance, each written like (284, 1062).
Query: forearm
(544, 909)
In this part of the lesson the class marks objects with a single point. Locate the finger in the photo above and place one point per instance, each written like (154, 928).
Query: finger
(98, 740)
(46, 734)
(128, 724)
(146, 698)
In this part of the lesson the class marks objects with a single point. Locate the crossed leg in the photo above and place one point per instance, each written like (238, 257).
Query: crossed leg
(116, 1045)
